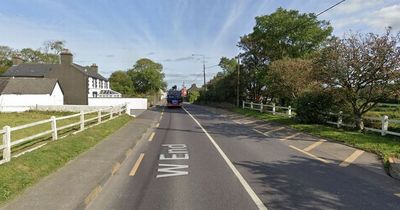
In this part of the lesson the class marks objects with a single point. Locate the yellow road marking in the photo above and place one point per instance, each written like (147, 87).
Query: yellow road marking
(157, 125)
(309, 154)
(115, 168)
(151, 136)
(397, 194)
(312, 146)
(290, 137)
(93, 194)
(271, 131)
(351, 158)
(137, 164)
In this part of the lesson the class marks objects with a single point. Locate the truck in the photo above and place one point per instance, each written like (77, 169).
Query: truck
(174, 98)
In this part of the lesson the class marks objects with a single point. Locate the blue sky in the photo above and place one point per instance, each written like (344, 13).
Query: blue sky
(115, 33)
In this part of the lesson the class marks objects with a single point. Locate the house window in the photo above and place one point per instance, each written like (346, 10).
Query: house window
(94, 94)
(92, 83)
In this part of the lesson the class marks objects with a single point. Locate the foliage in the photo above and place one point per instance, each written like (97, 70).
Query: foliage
(287, 79)
(5, 58)
(121, 82)
(193, 96)
(364, 67)
(228, 65)
(147, 76)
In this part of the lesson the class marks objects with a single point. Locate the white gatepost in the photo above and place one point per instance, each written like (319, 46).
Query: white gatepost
(99, 116)
(54, 128)
(251, 105)
(243, 104)
(289, 112)
(7, 144)
(82, 120)
(261, 107)
(385, 125)
(111, 113)
(273, 108)
(339, 119)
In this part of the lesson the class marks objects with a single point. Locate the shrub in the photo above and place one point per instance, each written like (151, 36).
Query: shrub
(311, 107)
(193, 96)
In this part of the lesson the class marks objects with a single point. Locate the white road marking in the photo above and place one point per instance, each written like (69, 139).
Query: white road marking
(244, 183)
(351, 158)
(309, 154)
(315, 144)
(171, 170)
(175, 152)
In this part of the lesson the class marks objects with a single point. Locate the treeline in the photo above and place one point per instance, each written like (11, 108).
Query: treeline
(293, 59)
(48, 53)
(145, 78)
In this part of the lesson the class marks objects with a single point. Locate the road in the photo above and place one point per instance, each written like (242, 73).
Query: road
(198, 159)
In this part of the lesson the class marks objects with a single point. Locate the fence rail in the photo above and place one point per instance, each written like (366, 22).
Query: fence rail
(384, 120)
(8, 142)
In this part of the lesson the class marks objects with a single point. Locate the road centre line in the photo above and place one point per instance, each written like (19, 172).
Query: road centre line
(137, 164)
(351, 158)
(244, 183)
(152, 136)
(315, 144)
(309, 154)
(157, 125)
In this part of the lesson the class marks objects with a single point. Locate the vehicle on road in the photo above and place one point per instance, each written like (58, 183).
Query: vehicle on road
(174, 98)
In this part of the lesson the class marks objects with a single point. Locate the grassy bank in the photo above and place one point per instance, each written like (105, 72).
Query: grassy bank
(384, 146)
(28, 169)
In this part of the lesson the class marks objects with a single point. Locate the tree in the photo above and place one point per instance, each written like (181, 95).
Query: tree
(287, 79)
(228, 65)
(6, 54)
(282, 34)
(147, 76)
(366, 68)
(121, 82)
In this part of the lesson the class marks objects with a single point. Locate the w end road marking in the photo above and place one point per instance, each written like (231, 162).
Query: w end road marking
(171, 170)
(242, 181)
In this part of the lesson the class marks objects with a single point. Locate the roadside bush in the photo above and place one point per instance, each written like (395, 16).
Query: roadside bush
(311, 107)
(193, 96)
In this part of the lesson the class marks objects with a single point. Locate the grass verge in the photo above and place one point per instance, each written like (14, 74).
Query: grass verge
(28, 169)
(384, 146)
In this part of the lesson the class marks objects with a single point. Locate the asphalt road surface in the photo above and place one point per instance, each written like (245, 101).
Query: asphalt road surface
(196, 159)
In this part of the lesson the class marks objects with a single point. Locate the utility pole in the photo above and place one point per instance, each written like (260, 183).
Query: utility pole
(204, 68)
(238, 81)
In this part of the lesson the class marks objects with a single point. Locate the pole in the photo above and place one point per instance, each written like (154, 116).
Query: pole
(238, 81)
(204, 72)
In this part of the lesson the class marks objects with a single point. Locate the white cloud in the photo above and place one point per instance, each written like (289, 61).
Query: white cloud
(384, 17)
(353, 6)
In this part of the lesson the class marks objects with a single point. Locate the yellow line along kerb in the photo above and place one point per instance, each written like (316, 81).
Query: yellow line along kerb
(137, 164)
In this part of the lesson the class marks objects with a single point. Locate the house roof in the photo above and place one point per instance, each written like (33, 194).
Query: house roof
(28, 70)
(27, 85)
(89, 73)
(40, 70)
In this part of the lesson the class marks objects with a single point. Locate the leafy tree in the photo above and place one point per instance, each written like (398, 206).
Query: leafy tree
(366, 68)
(287, 79)
(121, 82)
(5, 58)
(147, 76)
(228, 65)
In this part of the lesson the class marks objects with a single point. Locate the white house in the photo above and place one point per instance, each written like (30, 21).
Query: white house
(18, 94)
(99, 86)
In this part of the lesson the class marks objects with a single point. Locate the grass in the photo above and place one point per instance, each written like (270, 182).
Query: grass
(16, 119)
(28, 169)
(384, 146)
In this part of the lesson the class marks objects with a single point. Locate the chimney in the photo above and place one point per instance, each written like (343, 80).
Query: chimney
(17, 59)
(66, 57)
(94, 68)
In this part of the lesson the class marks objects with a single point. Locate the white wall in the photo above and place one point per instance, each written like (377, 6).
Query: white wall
(57, 96)
(132, 103)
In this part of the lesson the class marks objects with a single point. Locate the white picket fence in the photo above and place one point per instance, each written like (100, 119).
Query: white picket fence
(384, 120)
(8, 142)
(271, 108)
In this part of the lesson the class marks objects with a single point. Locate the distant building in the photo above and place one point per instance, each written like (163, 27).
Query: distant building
(23, 92)
(78, 82)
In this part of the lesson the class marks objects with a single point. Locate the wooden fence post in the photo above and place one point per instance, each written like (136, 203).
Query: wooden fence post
(385, 124)
(54, 128)
(261, 107)
(273, 108)
(340, 119)
(99, 116)
(82, 120)
(251, 105)
(243, 104)
(7, 143)
(289, 112)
